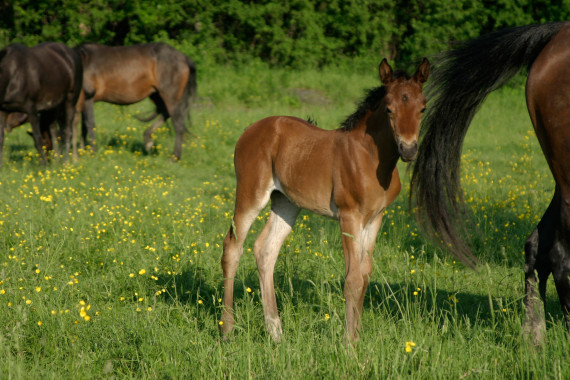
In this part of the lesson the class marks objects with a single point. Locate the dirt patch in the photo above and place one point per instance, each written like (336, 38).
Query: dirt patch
(310, 96)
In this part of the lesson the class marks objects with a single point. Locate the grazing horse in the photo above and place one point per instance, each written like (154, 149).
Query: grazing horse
(128, 74)
(43, 82)
(16, 119)
(348, 174)
(461, 81)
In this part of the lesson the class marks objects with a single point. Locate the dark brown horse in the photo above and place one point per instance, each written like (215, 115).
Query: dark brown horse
(128, 74)
(348, 174)
(43, 82)
(461, 81)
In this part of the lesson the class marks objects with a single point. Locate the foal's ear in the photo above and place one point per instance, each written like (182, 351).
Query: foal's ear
(422, 73)
(385, 72)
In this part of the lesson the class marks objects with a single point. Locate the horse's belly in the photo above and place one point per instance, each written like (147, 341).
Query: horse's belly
(313, 199)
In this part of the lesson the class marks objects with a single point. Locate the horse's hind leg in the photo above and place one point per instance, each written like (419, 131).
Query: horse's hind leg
(534, 324)
(148, 142)
(36, 123)
(560, 258)
(178, 111)
(163, 115)
(178, 121)
(266, 249)
(248, 206)
(66, 120)
(537, 250)
(88, 123)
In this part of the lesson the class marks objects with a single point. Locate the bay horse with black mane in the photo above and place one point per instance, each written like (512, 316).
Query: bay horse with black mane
(126, 75)
(348, 174)
(461, 80)
(43, 82)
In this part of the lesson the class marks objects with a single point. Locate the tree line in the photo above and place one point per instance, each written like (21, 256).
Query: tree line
(293, 33)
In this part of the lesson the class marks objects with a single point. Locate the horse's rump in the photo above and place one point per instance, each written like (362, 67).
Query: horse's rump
(128, 74)
(294, 154)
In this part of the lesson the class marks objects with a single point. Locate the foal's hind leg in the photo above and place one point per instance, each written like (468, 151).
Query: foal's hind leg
(248, 206)
(266, 249)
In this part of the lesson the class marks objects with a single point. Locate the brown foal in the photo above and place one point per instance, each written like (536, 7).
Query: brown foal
(348, 174)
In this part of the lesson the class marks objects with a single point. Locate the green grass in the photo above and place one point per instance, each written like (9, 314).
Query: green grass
(111, 265)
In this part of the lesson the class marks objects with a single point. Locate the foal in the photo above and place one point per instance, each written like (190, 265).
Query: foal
(348, 174)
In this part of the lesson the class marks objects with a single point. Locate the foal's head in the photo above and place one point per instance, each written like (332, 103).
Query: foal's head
(404, 106)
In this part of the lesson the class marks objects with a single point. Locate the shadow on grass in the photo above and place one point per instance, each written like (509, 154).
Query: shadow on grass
(398, 298)
(495, 235)
(395, 301)
(17, 152)
(132, 146)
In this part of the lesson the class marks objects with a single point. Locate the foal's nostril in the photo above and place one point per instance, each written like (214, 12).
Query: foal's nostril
(408, 151)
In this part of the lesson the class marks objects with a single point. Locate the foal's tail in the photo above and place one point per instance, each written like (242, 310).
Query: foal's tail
(460, 81)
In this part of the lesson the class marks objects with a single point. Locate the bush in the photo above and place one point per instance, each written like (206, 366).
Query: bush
(292, 33)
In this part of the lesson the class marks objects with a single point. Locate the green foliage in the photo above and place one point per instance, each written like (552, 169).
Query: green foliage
(295, 33)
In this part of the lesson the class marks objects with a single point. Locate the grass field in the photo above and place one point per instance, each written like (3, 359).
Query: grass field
(111, 265)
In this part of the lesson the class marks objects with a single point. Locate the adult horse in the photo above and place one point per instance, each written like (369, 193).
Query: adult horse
(43, 82)
(348, 174)
(128, 74)
(460, 83)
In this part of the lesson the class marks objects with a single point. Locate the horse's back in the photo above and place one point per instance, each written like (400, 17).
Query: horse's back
(128, 74)
(293, 155)
(46, 74)
(277, 135)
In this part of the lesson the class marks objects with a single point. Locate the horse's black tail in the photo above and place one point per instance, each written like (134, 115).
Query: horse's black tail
(192, 84)
(190, 92)
(460, 81)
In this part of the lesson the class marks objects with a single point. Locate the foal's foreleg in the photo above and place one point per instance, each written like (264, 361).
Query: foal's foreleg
(354, 286)
(367, 242)
(266, 249)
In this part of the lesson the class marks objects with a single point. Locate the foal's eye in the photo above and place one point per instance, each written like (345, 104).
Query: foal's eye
(423, 110)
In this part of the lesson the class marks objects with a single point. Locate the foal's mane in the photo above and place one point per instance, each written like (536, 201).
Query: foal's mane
(369, 103)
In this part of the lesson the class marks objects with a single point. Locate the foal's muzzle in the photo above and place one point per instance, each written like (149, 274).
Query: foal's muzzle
(408, 151)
